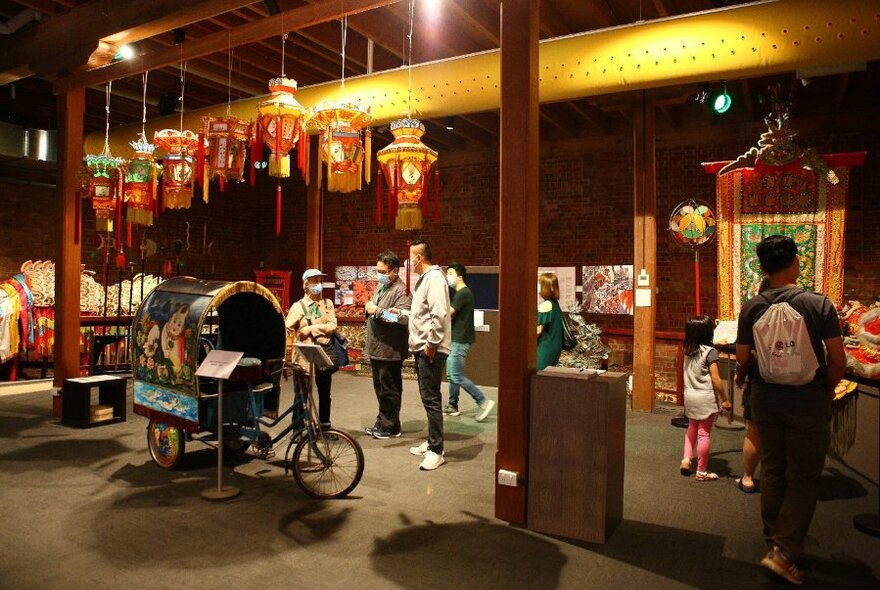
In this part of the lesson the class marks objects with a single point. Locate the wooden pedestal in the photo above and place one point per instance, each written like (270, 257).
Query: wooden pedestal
(576, 454)
(76, 400)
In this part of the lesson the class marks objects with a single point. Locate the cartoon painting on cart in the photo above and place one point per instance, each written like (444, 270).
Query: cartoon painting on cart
(608, 289)
(166, 341)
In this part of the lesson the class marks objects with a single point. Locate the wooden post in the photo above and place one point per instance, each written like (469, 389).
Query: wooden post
(518, 247)
(314, 209)
(645, 234)
(71, 106)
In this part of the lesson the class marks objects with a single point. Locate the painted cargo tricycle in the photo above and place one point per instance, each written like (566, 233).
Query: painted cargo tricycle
(174, 328)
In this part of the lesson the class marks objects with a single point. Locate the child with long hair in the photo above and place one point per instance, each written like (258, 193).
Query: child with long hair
(704, 394)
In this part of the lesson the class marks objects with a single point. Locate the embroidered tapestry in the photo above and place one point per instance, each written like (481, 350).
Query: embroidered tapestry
(755, 202)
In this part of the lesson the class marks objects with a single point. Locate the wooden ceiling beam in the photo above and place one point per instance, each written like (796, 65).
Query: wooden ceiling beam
(591, 115)
(45, 6)
(478, 17)
(552, 23)
(551, 118)
(49, 47)
(603, 13)
(840, 92)
(297, 18)
(661, 8)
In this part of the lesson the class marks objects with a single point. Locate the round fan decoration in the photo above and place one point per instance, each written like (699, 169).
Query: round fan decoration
(692, 224)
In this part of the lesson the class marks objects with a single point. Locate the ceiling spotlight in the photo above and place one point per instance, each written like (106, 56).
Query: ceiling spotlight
(178, 36)
(450, 123)
(722, 101)
(124, 52)
(271, 7)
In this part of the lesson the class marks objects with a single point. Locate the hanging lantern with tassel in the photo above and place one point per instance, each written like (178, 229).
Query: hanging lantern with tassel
(141, 177)
(406, 164)
(280, 125)
(227, 138)
(344, 144)
(104, 177)
(177, 166)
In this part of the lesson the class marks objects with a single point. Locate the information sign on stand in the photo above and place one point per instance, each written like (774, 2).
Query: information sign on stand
(220, 364)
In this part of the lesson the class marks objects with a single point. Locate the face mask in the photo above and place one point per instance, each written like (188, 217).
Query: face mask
(316, 289)
(450, 281)
(384, 279)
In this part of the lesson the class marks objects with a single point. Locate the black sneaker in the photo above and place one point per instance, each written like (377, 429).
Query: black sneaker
(383, 433)
(369, 429)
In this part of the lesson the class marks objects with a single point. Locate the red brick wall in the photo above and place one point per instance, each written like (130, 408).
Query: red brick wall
(28, 225)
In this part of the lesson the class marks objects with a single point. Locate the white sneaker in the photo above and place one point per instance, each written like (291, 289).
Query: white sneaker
(420, 450)
(431, 461)
(485, 409)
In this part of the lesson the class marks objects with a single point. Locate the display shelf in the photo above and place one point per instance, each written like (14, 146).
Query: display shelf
(76, 400)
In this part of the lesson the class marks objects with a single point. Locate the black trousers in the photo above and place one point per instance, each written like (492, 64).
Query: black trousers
(323, 383)
(430, 373)
(388, 385)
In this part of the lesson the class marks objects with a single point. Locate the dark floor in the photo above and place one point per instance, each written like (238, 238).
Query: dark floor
(88, 509)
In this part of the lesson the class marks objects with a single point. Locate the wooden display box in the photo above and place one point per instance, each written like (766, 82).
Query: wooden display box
(576, 454)
(78, 408)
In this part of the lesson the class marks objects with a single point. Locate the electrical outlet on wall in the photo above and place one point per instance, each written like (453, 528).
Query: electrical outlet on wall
(643, 280)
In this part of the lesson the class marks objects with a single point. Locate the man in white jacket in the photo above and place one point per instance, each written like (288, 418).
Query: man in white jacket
(430, 340)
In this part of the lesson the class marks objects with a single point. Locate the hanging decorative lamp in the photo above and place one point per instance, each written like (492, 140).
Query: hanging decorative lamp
(344, 137)
(227, 138)
(104, 177)
(280, 123)
(177, 166)
(406, 164)
(141, 176)
(344, 143)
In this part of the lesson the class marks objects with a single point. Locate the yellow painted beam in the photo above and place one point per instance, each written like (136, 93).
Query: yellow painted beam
(733, 43)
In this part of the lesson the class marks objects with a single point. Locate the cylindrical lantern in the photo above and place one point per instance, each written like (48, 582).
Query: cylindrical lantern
(406, 164)
(342, 126)
(177, 166)
(227, 147)
(104, 187)
(280, 121)
(140, 182)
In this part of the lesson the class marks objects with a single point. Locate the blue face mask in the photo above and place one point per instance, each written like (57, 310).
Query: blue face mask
(384, 279)
(316, 289)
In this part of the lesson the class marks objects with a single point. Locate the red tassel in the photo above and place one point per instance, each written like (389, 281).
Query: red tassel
(128, 234)
(378, 198)
(278, 208)
(436, 194)
(423, 199)
(278, 132)
(118, 226)
(392, 198)
(77, 216)
(200, 159)
(222, 184)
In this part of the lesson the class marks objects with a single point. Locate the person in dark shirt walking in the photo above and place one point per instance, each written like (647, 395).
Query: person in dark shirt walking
(463, 337)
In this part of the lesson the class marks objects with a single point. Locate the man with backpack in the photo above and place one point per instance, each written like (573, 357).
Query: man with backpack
(796, 339)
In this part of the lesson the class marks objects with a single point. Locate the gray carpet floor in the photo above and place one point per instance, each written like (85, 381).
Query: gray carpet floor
(88, 509)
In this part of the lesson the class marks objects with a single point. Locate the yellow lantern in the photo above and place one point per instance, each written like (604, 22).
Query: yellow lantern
(406, 164)
(177, 166)
(344, 143)
(280, 125)
(139, 189)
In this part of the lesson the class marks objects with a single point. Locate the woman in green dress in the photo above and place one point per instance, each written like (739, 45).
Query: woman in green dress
(549, 321)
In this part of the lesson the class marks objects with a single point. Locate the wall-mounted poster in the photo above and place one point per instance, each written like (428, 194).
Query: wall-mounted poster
(608, 289)
(567, 276)
(354, 287)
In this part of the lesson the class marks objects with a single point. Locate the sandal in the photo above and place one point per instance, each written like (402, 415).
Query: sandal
(706, 476)
(685, 468)
(744, 488)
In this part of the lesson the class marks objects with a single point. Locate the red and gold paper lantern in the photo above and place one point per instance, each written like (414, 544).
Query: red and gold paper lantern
(178, 171)
(280, 124)
(344, 143)
(407, 164)
(227, 138)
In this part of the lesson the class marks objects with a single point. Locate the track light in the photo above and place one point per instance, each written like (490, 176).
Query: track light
(179, 36)
(450, 123)
(124, 52)
(271, 7)
(722, 101)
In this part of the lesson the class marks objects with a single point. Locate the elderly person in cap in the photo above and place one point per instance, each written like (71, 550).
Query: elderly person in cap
(312, 320)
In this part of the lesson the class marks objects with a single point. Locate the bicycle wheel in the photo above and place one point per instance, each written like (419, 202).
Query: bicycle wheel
(330, 466)
(166, 443)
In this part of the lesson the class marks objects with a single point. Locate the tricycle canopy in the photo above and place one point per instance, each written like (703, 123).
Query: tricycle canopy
(172, 334)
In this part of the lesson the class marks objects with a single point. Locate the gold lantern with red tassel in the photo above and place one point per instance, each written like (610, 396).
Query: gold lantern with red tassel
(140, 182)
(280, 124)
(227, 138)
(344, 144)
(177, 166)
(104, 176)
(407, 164)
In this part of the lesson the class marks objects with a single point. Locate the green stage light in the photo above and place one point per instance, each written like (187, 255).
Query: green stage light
(722, 101)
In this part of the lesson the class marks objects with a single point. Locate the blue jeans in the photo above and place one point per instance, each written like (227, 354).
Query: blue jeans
(455, 375)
